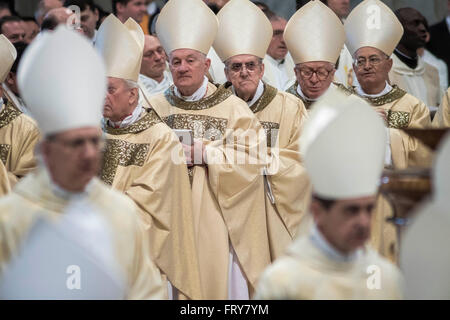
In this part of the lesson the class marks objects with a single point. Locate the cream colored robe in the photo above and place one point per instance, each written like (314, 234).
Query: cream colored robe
(279, 75)
(228, 197)
(442, 117)
(422, 82)
(18, 138)
(403, 111)
(282, 115)
(33, 197)
(5, 187)
(307, 273)
(140, 161)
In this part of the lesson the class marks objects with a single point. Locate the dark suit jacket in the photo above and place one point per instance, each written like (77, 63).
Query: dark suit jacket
(439, 44)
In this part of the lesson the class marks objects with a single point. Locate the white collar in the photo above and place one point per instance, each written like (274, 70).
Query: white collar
(274, 61)
(361, 92)
(65, 194)
(323, 245)
(147, 81)
(197, 95)
(129, 120)
(259, 92)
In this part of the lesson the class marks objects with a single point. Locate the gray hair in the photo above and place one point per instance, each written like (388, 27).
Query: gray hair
(131, 84)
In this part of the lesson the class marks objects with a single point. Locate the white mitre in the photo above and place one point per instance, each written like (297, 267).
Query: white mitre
(186, 24)
(62, 80)
(243, 29)
(122, 47)
(343, 144)
(314, 33)
(8, 55)
(372, 24)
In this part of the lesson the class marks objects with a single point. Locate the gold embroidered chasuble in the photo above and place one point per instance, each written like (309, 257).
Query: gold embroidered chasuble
(18, 138)
(227, 194)
(307, 273)
(403, 111)
(282, 115)
(146, 162)
(442, 117)
(33, 198)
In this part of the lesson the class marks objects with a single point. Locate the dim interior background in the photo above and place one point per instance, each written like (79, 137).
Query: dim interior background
(433, 10)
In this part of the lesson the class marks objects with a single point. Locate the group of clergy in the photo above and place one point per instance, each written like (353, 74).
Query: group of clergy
(205, 191)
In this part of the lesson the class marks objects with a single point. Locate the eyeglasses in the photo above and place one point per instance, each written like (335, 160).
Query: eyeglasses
(321, 73)
(373, 61)
(250, 66)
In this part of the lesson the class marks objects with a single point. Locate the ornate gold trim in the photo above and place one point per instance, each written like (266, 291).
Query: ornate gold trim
(271, 129)
(202, 126)
(293, 90)
(220, 95)
(121, 153)
(398, 119)
(266, 98)
(147, 121)
(8, 113)
(395, 94)
(4, 152)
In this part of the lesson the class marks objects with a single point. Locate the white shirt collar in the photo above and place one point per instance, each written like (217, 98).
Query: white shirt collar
(259, 92)
(361, 92)
(197, 95)
(323, 245)
(129, 120)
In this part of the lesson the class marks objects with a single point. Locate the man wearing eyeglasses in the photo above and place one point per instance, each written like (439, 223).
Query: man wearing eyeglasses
(281, 114)
(371, 48)
(112, 233)
(144, 160)
(315, 37)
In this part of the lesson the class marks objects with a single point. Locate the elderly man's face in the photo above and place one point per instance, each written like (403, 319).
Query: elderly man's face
(135, 9)
(88, 21)
(371, 66)
(340, 7)
(244, 72)
(314, 77)
(346, 224)
(73, 157)
(154, 58)
(120, 100)
(14, 31)
(277, 47)
(188, 68)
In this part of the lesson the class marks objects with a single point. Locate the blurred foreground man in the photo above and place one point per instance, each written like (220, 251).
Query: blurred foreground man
(223, 158)
(372, 47)
(64, 190)
(144, 159)
(18, 132)
(424, 259)
(315, 37)
(333, 260)
(242, 40)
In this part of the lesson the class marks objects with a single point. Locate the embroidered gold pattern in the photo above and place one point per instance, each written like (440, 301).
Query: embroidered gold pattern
(220, 95)
(293, 90)
(147, 121)
(395, 94)
(206, 127)
(4, 152)
(398, 119)
(121, 153)
(271, 129)
(8, 114)
(268, 95)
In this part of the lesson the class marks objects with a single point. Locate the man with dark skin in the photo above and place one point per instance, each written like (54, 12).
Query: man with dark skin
(409, 71)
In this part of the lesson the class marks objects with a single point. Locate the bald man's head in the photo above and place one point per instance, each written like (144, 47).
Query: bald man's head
(58, 16)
